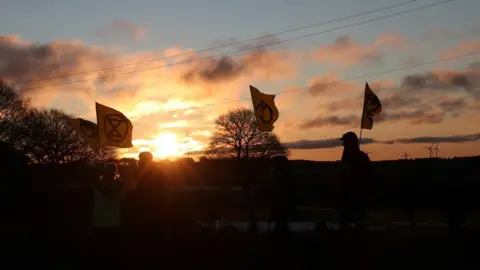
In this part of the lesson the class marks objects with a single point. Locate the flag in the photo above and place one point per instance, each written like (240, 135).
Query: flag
(371, 107)
(265, 110)
(88, 130)
(114, 128)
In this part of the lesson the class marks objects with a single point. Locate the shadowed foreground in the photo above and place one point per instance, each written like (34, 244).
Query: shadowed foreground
(397, 248)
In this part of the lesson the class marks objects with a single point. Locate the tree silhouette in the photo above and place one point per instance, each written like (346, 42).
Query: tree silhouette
(44, 136)
(13, 109)
(237, 135)
(48, 137)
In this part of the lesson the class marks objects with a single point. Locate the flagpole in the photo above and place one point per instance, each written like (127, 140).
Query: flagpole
(360, 137)
(361, 123)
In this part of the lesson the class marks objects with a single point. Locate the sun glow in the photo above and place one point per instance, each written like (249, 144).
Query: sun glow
(166, 145)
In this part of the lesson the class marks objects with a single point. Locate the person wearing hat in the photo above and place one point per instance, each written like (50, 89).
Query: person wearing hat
(144, 200)
(356, 174)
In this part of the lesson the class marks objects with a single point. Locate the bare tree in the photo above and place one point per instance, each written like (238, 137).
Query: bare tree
(236, 134)
(13, 109)
(47, 136)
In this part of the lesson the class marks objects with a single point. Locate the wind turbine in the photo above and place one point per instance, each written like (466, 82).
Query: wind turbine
(436, 150)
(430, 149)
(405, 156)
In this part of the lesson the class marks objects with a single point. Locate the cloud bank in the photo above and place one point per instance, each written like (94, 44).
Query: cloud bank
(336, 142)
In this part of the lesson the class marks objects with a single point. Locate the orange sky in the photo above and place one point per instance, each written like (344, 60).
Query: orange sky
(167, 103)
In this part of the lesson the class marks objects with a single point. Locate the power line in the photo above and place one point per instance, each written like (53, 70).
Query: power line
(349, 79)
(344, 80)
(247, 49)
(227, 44)
(253, 47)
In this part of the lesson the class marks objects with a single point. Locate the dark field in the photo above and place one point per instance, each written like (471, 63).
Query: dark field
(396, 248)
(46, 213)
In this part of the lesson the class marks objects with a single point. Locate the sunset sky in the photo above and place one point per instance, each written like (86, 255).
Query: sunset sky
(68, 54)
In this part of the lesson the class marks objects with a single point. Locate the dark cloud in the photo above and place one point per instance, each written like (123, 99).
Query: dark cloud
(216, 70)
(414, 117)
(259, 61)
(397, 101)
(430, 118)
(345, 104)
(24, 61)
(403, 102)
(328, 83)
(393, 102)
(467, 80)
(321, 144)
(451, 105)
(330, 121)
(400, 115)
(335, 142)
(448, 139)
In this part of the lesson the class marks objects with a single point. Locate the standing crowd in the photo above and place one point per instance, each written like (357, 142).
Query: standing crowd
(138, 200)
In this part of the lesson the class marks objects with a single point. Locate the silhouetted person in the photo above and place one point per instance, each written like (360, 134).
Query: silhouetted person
(282, 194)
(145, 200)
(127, 174)
(106, 212)
(354, 185)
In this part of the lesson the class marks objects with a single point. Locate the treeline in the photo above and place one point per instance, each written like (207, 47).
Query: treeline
(39, 136)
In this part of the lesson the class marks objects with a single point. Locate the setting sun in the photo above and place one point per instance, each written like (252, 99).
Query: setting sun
(318, 83)
(166, 145)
